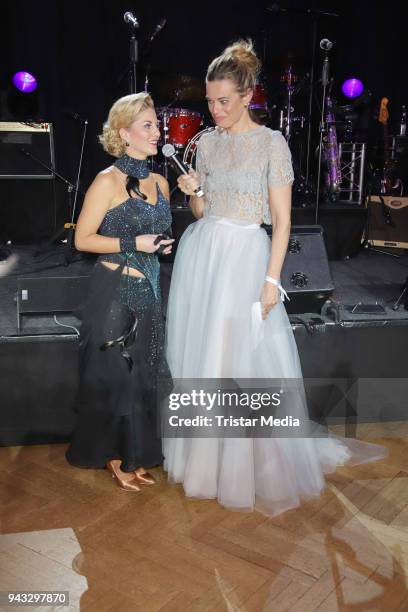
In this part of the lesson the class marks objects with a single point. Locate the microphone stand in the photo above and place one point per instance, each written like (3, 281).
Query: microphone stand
(131, 70)
(146, 81)
(310, 102)
(81, 156)
(68, 227)
(134, 57)
(322, 128)
(146, 52)
(72, 224)
(403, 296)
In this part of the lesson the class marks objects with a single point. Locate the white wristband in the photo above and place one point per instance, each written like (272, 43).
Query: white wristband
(277, 283)
(273, 281)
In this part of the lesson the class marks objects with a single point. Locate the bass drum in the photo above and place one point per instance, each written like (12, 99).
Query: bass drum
(189, 156)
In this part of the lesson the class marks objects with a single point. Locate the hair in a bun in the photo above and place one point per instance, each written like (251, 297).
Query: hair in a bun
(239, 63)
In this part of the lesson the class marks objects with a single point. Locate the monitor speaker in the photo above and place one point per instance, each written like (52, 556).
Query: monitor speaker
(306, 274)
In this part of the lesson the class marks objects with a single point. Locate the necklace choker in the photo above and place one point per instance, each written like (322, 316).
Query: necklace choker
(137, 168)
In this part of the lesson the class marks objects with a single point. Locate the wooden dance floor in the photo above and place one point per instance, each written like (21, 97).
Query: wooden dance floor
(75, 530)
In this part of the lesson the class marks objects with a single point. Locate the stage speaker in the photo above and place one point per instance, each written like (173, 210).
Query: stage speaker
(28, 209)
(306, 274)
(387, 223)
(42, 295)
(20, 143)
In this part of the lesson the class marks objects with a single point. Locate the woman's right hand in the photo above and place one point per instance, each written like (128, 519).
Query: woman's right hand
(146, 243)
(188, 183)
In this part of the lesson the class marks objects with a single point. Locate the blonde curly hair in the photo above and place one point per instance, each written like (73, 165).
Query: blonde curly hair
(122, 114)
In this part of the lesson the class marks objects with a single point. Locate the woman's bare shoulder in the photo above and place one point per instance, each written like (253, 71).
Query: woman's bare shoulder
(106, 179)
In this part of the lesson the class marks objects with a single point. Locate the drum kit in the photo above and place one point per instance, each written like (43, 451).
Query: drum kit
(179, 126)
(183, 127)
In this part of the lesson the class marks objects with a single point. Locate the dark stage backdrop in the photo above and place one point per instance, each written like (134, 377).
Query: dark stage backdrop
(79, 52)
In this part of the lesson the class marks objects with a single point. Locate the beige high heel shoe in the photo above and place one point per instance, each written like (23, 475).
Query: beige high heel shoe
(127, 485)
(143, 477)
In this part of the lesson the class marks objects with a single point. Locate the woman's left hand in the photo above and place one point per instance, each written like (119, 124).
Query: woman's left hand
(269, 297)
(167, 250)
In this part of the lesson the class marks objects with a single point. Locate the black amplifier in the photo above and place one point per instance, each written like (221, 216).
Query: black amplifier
(17, 140)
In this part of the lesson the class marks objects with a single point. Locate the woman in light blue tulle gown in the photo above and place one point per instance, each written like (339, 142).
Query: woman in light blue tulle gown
(225, 315)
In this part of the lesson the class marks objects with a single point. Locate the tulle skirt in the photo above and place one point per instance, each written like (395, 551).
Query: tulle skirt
(214, 331)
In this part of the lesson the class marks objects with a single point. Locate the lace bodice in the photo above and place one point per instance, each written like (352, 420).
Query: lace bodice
(236, 169)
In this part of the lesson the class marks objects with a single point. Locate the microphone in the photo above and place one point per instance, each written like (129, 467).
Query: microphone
(169, 151)
(130, 19)
(326, 44)
(158, 29)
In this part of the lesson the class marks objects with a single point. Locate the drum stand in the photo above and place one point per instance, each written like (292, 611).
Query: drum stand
(286, 122)
(301, 186)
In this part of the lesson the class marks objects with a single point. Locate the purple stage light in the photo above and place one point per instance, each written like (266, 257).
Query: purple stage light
(24, 81)
(352, 88)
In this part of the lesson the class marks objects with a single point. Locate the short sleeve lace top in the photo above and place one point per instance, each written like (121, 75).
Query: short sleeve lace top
(237, 169)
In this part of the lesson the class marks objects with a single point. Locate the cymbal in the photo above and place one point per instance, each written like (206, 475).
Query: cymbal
(191, 93)
(181, 87)
(289, 59)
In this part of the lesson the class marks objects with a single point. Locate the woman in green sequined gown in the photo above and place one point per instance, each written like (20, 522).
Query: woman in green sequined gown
(125, 212)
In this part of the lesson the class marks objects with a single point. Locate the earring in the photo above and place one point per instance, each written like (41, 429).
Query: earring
(126, 143)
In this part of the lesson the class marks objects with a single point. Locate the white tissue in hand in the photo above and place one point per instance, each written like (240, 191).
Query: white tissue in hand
(257, 324)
